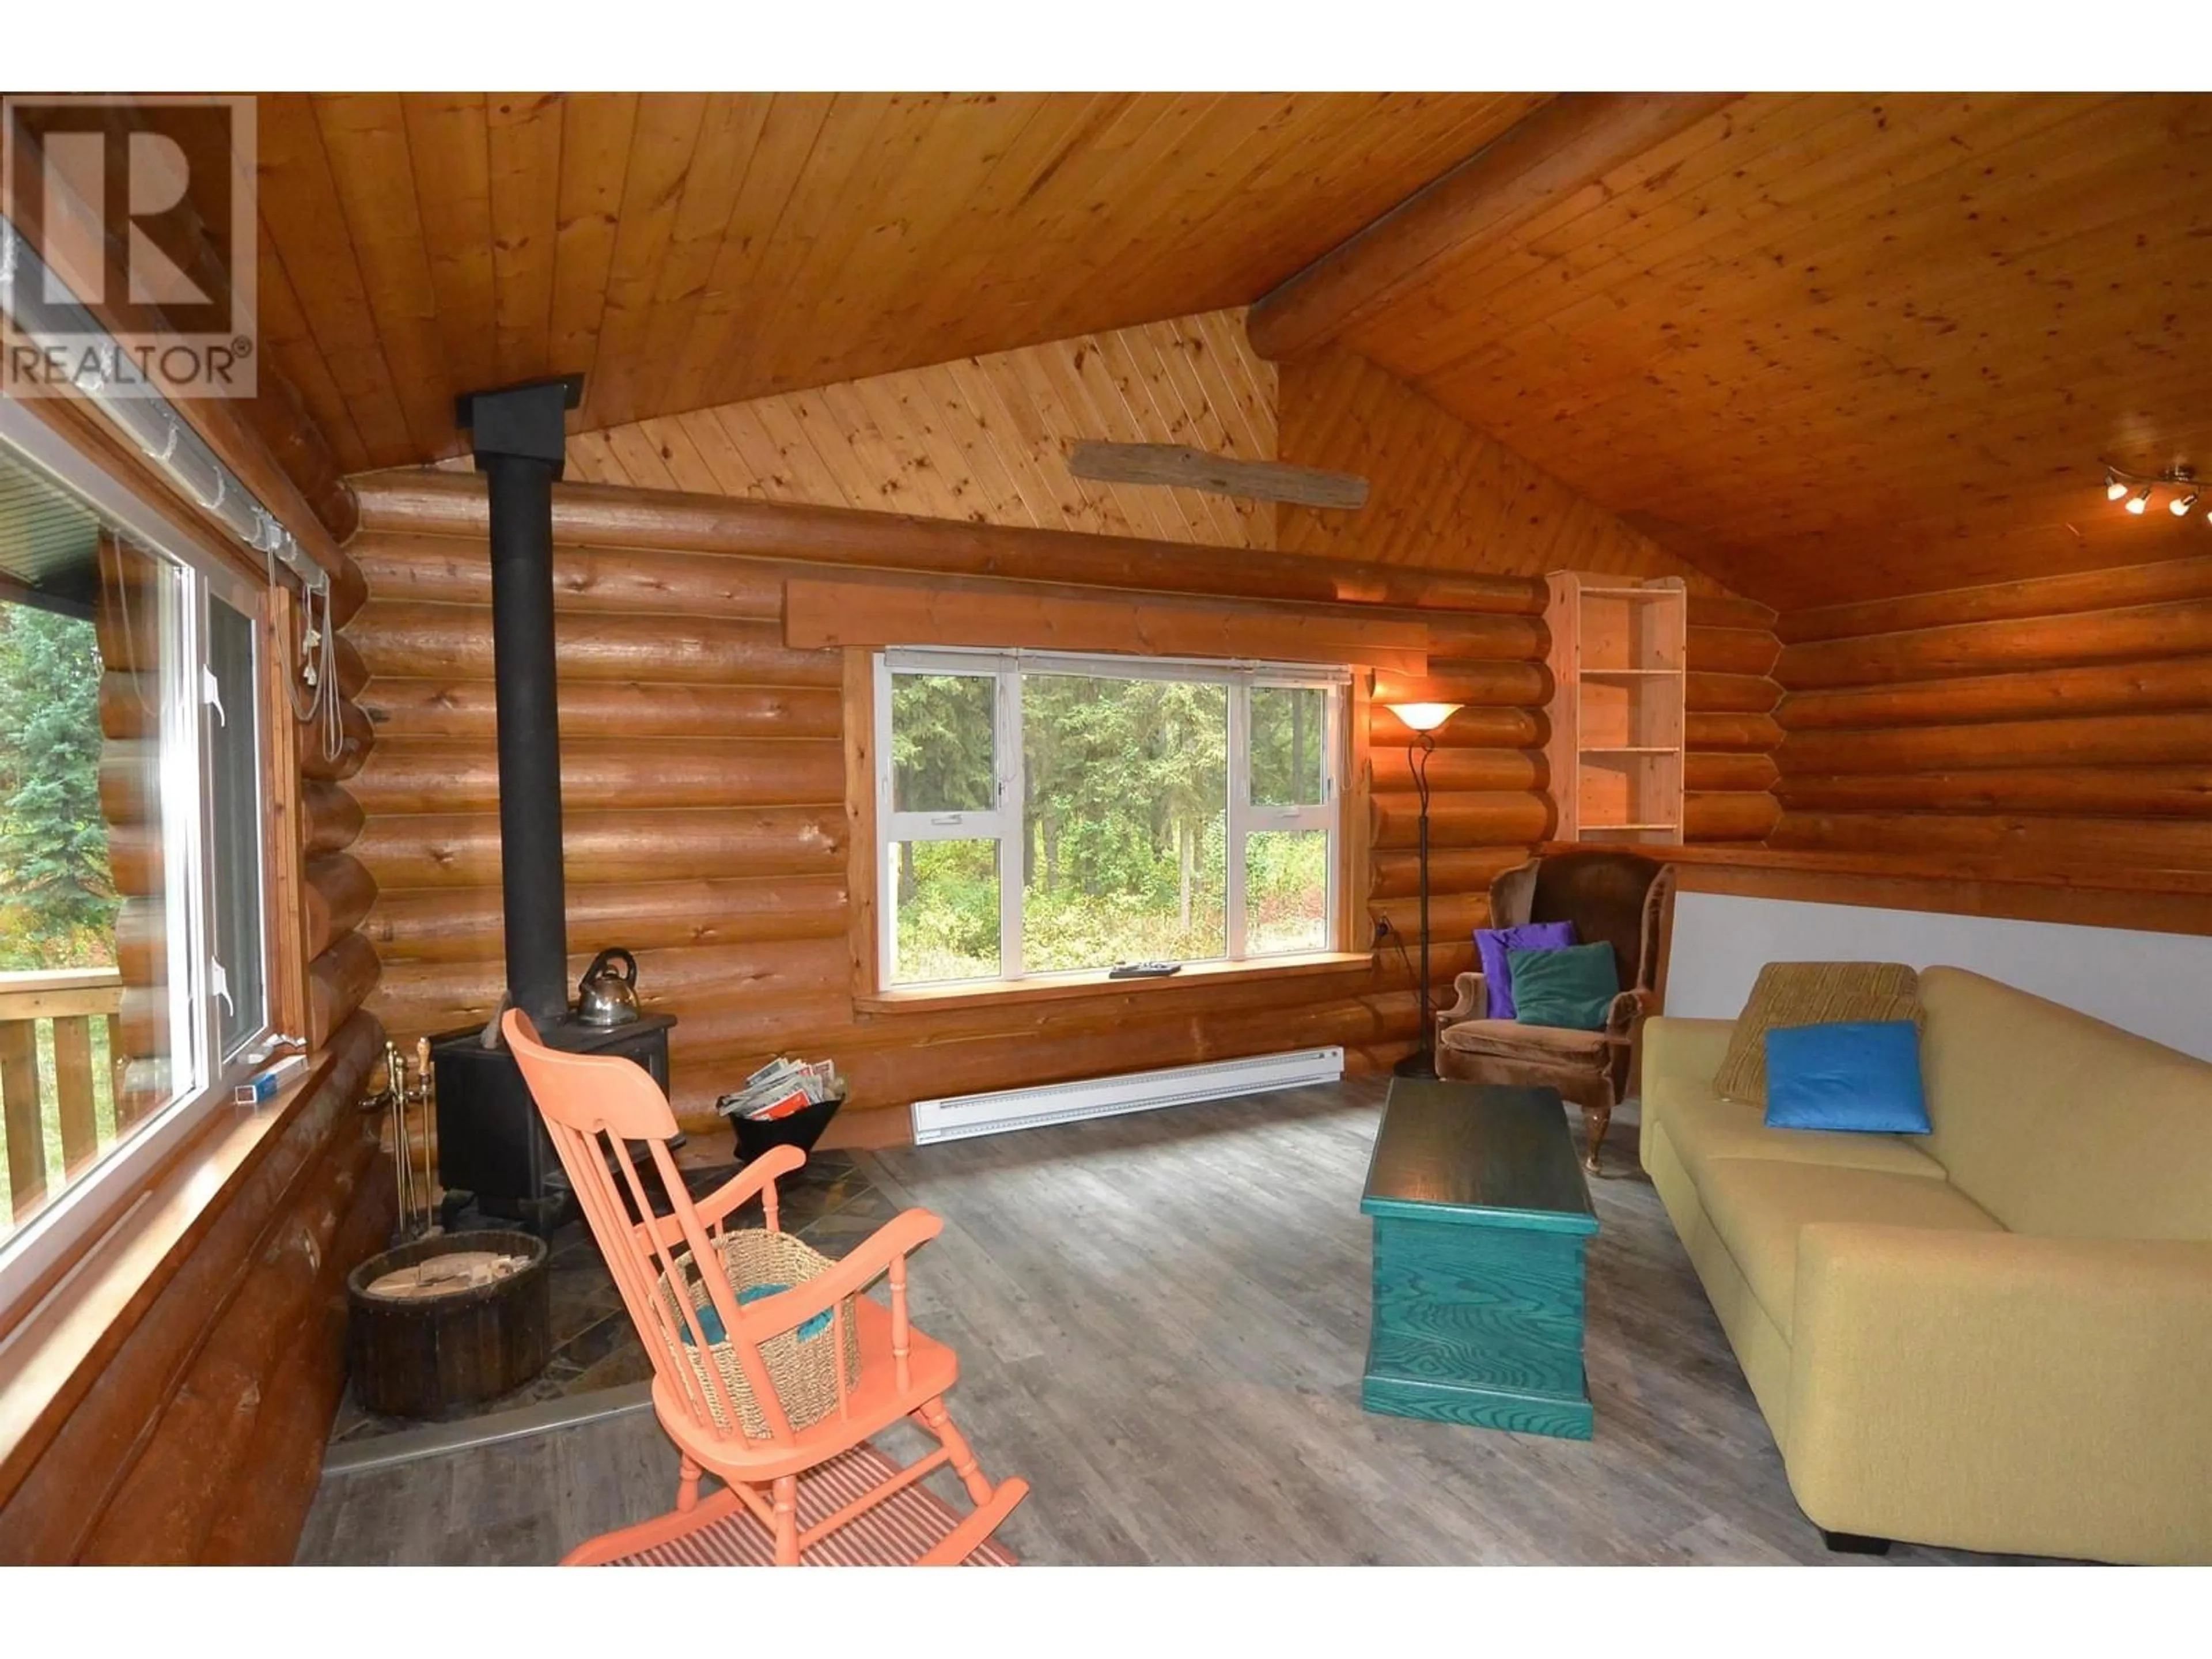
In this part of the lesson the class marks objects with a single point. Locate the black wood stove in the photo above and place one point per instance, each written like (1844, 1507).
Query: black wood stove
(492, 1148)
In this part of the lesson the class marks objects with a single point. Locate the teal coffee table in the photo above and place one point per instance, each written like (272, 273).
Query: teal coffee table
(1480, 1211)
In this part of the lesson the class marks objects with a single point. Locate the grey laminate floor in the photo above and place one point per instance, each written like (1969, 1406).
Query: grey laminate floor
(1161, 1321)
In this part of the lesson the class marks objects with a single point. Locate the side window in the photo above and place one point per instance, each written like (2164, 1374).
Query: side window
(239, 972)
(134, 959)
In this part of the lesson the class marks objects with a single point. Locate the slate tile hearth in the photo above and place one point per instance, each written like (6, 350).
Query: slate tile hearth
(829, 1203)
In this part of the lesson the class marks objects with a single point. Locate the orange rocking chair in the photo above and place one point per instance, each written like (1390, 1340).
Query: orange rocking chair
(761, 1384)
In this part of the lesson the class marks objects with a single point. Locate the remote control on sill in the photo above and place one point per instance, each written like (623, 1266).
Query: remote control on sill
(1143, 969)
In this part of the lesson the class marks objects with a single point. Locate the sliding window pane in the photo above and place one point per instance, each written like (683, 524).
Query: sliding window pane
(1285, 891)
(943, 745)
(946, 919)
(234, 784)
(1123, 820)
(1290, 728)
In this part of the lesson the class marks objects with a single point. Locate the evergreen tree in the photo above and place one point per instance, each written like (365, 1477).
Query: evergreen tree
(57, 901)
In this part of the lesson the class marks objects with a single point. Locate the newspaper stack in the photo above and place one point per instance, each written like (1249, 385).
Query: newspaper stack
(781, 1087)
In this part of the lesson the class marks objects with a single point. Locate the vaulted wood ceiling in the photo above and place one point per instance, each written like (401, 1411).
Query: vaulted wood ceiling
(684, 250)
(1825, 347)
(1832, 348)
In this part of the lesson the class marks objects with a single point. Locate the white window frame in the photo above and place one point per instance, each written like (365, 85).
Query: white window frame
(1002, 821)
(202, 1079)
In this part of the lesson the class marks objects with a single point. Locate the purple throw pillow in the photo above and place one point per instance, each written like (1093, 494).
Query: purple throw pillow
(1491, 944)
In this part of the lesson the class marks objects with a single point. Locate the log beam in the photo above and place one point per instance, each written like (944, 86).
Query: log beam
(604, 515)
(2128, 688)
(1566, 145)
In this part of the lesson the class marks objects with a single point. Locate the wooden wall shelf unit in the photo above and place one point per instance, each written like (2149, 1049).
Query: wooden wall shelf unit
(1617, 655)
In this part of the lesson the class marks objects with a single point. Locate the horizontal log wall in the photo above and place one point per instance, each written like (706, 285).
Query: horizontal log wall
(2045, 725)
(1729, 731)
(705, 818)
(197, 1436)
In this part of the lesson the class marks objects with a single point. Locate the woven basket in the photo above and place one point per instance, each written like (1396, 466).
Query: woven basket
(802, 1369)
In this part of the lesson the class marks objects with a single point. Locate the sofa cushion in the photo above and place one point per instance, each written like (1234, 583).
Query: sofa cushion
(1809, 993)
(1554, 1044)
(1758, 1206)
(2059, 1124)
(1703, 1128)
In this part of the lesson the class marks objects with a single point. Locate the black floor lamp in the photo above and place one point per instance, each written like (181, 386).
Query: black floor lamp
(1422, 720)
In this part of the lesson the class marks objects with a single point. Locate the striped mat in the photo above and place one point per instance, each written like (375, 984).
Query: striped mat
(894, 1534)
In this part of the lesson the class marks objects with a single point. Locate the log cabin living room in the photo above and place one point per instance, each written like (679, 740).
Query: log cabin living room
(1104, 829)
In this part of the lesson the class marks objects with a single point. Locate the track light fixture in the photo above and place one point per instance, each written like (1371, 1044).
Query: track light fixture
(2135, 489)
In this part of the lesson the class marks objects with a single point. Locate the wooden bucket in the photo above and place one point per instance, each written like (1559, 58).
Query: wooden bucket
(421, 1356)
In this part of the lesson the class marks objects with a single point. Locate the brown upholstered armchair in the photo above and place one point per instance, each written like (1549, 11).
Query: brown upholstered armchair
(1614, 896)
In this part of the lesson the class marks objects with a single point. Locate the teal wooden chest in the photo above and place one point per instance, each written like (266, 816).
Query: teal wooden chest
(1480, 1214)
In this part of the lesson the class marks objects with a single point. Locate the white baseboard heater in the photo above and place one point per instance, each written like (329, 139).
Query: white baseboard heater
(956, 1117)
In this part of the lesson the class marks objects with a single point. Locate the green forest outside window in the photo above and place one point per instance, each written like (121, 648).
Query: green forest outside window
(1045, 814)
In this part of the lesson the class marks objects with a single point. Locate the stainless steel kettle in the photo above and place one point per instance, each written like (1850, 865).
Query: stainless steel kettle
(605, 997)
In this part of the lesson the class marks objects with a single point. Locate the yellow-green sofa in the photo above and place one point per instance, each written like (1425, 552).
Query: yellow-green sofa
(1997, 1336)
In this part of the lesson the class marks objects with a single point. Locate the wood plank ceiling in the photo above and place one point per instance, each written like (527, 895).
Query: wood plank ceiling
(688, 251)
(1834, 347)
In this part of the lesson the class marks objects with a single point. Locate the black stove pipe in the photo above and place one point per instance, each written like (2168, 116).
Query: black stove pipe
(519, 447)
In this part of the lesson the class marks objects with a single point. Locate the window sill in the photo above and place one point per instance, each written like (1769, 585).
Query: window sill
(51, 1353)
(978, 993)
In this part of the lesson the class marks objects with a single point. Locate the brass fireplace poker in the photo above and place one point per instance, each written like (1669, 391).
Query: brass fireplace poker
(417, 1201)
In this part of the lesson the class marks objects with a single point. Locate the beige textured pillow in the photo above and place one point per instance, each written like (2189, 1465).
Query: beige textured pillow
(1810, 993)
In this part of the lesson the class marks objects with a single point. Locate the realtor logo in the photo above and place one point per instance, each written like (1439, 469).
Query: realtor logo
(128, 257)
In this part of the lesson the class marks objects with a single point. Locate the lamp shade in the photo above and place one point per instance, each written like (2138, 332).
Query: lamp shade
(1423, 716)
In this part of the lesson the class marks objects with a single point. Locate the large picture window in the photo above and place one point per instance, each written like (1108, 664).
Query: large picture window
(1048, 814)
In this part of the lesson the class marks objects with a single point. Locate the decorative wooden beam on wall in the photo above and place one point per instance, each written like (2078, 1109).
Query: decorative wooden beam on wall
(819, 614)
(1569, 144)
(1220, 474)
(606, 516)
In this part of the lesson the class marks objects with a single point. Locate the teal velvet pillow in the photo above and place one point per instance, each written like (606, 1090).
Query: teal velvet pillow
(1572, 988)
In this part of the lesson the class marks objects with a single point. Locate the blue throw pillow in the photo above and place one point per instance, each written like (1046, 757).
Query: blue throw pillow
(1860, 1074)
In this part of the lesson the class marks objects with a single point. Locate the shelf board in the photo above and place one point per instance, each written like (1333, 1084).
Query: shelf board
(1630, 749)
(1625, 673)
(1607, 828)
(1634, 593)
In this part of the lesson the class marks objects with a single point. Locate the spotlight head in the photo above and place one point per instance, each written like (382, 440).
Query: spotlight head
(2113, 487)
(2140, 502)
(2180, 505)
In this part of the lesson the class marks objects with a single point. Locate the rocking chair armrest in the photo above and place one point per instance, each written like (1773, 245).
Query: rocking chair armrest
(900, 1235)
(1473, 999)
(717, 1205)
